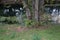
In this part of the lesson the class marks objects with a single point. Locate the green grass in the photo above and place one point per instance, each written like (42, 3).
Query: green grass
(53, 33)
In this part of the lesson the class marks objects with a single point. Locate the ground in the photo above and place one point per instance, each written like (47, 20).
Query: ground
(15, 32)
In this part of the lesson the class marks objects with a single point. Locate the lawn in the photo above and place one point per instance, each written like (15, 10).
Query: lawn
(9, 32)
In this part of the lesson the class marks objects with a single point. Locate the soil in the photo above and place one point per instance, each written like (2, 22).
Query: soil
(20, 29)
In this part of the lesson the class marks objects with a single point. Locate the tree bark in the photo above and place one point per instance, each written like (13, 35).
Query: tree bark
(28, 13)
(33, 9)
(38, 9)
(41, 8)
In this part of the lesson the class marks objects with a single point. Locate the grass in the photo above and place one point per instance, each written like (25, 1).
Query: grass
(52, 33)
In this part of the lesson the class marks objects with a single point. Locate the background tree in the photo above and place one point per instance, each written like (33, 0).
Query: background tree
(28, 13)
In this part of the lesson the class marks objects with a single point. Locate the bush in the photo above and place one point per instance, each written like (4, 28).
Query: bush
(45, 19)
(9, 20)
(29, 23)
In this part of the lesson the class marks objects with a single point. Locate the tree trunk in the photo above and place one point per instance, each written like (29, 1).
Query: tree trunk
(41, 8)
(28, 13)
(33, 9)
(38, 9)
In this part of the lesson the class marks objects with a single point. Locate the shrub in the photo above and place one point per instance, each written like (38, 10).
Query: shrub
(29, 23)
(45, 19)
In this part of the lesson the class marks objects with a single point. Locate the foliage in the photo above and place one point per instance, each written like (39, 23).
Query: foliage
(9, 20)
(45, 19)
(29, 23)
(52, 1)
